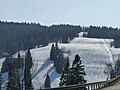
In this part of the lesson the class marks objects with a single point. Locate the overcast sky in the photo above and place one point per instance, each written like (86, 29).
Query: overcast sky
(48, 12)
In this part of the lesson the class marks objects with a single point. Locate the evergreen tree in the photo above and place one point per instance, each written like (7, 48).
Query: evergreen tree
(64, 76)
(13, 77)
(57, 51)
(57, 55)
(1, 81)
(18, 57)
(16, 77)
(52, 53)
(56, 46)
(27, 74)
(75, 74)
(78, 70)
(28, 60)
(20, 64)
(67, 64)
(60, 63)
(28, 79)
(19, 60)
(47, 82)
(10, 80)
(5, 65)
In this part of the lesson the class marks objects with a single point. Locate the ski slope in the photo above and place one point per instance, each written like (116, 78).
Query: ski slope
(95, 54)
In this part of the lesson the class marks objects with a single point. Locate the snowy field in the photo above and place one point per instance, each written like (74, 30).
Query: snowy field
(95, 54)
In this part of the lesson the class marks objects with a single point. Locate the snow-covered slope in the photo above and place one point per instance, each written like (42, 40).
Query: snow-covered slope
(1, 61)
(95, 53)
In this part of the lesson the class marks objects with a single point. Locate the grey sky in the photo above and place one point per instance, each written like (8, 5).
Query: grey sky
(47, 12)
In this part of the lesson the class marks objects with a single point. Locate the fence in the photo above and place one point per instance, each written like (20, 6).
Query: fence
(89, 86)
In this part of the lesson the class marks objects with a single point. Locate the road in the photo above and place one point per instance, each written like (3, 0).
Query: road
(114, 87)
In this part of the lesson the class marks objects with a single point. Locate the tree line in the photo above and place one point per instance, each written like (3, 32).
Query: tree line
(57, 56)
(21, 36)
(104, 32)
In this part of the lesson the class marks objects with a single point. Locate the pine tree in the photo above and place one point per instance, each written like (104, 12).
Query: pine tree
(67, 64)
(17, 79)
(1, 81)
(75, 74)
(20, 64)
(57, 52)
(18, 57)
(78, 70)
(28, 79)
(47, 82)
(52, 53)
(56, 46)
(19, 60)
(10, 80)
(28, 60)
(57, 55)
(27, 74)
(13, 76)
(5, 65)
(60, 63)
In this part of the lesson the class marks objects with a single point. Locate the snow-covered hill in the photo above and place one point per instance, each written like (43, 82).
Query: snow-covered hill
(95, 53)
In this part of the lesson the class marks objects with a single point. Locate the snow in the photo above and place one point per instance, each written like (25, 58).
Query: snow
(1, 61)
(55, 78)
(95, 53)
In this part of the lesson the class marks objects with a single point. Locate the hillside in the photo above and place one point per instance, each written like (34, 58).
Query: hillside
(95, 54)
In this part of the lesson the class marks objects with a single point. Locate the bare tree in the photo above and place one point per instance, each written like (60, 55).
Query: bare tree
(109, 71)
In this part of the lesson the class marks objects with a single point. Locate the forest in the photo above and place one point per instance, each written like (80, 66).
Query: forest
(22, 36)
